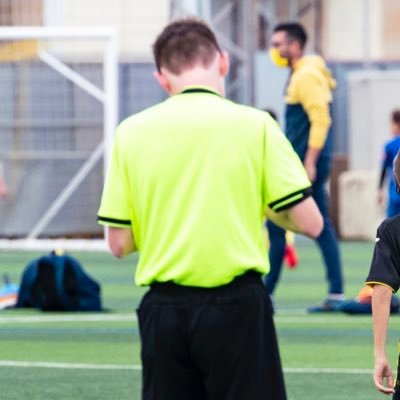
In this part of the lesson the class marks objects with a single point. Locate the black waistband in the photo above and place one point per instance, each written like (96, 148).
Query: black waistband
(249, 277)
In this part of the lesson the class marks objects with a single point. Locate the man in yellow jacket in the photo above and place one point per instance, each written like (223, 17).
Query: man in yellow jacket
(308, 97)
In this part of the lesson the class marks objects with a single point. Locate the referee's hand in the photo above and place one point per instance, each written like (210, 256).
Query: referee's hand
(383, 377)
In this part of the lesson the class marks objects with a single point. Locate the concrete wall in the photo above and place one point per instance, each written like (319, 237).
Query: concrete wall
(361, 29)
(352, 29)
(372, 97)
(137, 22)
(359, 214)
(390, 29)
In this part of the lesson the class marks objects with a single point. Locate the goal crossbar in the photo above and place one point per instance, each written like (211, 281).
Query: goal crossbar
(73, 33)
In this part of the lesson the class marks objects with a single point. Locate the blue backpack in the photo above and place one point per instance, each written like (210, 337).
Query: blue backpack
(58, 283)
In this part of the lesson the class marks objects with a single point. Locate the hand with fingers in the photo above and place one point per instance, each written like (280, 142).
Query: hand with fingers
(383, 377)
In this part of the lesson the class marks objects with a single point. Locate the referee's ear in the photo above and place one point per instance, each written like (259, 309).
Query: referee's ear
(223, 63)
(163, 81)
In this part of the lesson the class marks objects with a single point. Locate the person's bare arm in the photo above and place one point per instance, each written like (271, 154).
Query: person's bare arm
(304, 217)
(120, 241)
(315, 96)
(383, 377)
(3, 186)
(310, 162)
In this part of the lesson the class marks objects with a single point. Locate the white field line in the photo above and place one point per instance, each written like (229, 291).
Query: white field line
(28, 364)
(67, 318)
(355, 371)
(51, 244)
(322, 320)
(39, 364)
(280, 319)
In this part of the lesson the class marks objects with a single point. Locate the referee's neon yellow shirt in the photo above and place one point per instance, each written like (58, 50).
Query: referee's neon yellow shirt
(192, 177)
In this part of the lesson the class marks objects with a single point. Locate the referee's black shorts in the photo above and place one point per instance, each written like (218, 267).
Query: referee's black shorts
(210, 344)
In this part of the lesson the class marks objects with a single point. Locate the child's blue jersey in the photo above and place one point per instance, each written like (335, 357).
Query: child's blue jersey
(391, 149)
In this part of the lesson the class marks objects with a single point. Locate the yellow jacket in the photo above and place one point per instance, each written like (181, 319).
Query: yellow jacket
(311, 86)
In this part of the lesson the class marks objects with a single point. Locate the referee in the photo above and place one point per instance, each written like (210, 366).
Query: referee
(190, 182)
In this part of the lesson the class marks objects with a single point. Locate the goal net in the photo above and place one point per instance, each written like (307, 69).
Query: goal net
(59, 107)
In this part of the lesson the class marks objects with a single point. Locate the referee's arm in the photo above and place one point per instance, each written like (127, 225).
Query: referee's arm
(120, 241)
(303, 217)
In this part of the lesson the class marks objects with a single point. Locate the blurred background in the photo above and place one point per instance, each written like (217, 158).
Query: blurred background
(70, 70)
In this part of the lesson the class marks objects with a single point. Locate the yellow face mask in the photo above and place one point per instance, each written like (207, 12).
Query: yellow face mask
(277, 59)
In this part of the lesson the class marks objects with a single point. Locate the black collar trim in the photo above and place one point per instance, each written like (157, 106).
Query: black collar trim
(199, 90)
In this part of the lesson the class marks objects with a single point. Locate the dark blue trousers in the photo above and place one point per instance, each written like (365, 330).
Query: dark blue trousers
(327, 242)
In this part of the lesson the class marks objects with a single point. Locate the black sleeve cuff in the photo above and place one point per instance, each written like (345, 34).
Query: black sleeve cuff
(290, 200)
(106, 220)
(378, 281)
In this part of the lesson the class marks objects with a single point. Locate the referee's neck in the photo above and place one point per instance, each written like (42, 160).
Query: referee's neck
(197, 77)
(212, 76)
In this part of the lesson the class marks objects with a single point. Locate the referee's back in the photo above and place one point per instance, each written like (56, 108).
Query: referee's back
(200, 171)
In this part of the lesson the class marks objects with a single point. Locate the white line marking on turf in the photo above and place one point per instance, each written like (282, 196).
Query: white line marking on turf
(68, 318)
(39, 364)
(357, 371)
(280, 319)
(29, 364)
(323, 320)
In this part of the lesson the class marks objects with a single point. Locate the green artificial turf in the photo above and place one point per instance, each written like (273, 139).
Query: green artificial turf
(325, 356)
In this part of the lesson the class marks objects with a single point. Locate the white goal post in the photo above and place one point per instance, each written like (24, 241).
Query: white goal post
(59, 62)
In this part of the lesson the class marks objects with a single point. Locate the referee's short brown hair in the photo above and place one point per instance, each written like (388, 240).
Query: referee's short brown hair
(183, 44)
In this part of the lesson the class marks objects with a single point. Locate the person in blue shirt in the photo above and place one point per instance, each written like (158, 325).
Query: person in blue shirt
(391, 149)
